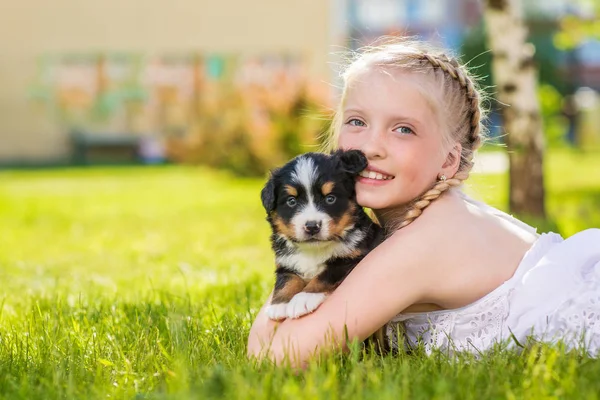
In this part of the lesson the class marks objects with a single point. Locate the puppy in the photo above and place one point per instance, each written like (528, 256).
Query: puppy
(319, 232)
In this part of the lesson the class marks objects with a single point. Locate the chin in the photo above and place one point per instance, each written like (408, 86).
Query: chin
(372, 201)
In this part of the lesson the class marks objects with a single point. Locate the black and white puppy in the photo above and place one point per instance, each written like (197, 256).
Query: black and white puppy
(319, 232)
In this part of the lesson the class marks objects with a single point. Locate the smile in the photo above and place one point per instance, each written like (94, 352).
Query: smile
(375, 175)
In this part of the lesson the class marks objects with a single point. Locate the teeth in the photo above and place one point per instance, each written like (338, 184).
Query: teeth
(375, 175)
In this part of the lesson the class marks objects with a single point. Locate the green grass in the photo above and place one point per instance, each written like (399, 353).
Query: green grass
(143, 282)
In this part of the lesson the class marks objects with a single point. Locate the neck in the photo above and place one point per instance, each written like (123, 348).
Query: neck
(386, 216)
(390, 216)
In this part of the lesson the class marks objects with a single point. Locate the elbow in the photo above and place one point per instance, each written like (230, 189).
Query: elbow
(261, 350)
(256, 347)
(255, 350)
(281, 345)
(277, 355)
(264, 351)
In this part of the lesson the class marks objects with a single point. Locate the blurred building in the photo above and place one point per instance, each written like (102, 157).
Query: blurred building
(34, 33)
(449, 22)
(32, 29)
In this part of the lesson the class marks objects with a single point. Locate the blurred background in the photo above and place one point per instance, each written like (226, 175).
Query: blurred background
(245, 85)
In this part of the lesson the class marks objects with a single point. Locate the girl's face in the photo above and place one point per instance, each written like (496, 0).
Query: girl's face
(386, 116)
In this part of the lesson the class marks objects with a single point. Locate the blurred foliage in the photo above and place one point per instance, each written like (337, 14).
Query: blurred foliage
(246, 114)
(552, 86)
(250, 130)
(479, 58)
(572, 183)
(575, 29)
(555, 123)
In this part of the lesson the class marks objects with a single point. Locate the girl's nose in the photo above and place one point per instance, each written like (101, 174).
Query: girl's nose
(374, 146)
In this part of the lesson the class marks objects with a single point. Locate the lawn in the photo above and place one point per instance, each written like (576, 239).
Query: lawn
(143, 282)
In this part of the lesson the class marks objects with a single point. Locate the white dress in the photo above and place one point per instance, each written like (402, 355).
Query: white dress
(553, 295)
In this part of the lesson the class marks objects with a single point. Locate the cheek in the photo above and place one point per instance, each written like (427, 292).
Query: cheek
(283, 226)
(414, 173)
(413, 162)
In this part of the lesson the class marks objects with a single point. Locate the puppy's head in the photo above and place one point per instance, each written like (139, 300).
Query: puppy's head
(311, 199)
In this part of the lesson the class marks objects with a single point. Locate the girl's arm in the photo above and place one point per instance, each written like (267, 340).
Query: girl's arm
(388, 280)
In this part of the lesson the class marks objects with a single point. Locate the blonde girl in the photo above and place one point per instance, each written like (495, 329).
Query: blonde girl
(454, 273)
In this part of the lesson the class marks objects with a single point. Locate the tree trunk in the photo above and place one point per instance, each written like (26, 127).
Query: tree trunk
(515, 78)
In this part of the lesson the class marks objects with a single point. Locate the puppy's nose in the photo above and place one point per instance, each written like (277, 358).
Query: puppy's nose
(312, 227)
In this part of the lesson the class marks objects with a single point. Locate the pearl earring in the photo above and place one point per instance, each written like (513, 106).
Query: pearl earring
(442, 178)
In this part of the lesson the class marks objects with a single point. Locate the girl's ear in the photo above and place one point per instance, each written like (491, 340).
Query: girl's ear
(450, 166)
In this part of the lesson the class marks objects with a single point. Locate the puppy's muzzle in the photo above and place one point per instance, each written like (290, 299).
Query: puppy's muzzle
(312, 227)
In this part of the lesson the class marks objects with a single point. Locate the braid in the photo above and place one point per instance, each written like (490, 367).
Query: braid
(472, 142)
(418, 205)
(452, 68)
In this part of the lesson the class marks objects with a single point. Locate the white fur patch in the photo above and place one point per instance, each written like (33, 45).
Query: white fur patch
(310, 259)
(277, 311)
(306, 265)
(304, 303)
(311, 213)
(349, 244)
(305, 174)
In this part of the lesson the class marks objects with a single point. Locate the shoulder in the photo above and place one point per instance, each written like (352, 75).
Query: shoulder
(419, 252)
(467, 249)
(445, 246)
(440, 231)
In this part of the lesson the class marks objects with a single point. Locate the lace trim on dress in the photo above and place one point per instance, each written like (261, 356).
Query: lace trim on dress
(577, 321)
(472, 330)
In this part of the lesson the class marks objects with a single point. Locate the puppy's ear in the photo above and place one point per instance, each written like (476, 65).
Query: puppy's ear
(267, 194)
(351, 161)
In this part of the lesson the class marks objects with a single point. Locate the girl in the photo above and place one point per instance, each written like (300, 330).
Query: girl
(454, 273)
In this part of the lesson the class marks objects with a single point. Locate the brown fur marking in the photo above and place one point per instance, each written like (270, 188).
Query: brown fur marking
(318, 286)
(354, 254)
(337, 228)
(292, 287)
(282, 227)
(327, 188)
(292, 191)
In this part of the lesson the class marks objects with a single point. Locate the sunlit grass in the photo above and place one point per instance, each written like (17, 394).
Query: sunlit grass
(143, 283)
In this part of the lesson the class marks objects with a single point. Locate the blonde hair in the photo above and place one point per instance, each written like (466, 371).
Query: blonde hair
(454, 96)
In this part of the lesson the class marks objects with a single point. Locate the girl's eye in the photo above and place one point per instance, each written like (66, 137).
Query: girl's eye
(356, 122)
(404, 130)
(291, 201)
(330, 199)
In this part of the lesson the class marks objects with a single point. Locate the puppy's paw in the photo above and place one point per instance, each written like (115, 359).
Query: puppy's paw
(277, 311)
(304, 303)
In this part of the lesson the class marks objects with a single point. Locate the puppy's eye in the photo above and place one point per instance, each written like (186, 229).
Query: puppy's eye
(330, 199)
(291, 201)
